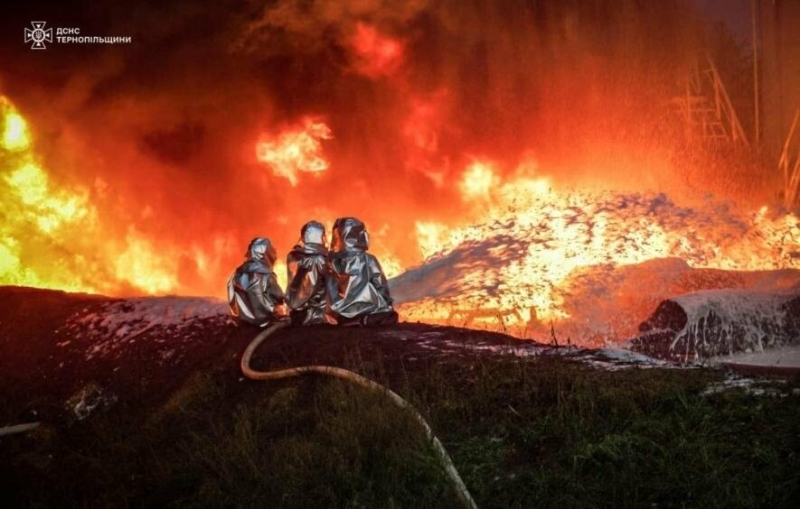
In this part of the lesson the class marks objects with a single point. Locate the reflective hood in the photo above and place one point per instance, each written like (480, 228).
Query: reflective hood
(307, 270)
(357, 288)
(261, 250)
(313, 232)
(254, 295)
(349, 234)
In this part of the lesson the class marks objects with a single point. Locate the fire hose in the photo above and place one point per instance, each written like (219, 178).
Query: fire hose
(450, 469)
(18, 428)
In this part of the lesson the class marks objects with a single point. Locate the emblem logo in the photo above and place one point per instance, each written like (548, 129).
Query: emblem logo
(39, 35)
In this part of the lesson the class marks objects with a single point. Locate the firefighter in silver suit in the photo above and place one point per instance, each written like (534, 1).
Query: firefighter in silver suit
(308, 272)
(357, 289)
(254, 295)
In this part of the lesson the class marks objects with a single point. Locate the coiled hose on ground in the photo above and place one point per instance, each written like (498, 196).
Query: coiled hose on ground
(452, 473)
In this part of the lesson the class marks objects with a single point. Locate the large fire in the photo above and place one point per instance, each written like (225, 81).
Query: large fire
(53, 236)
(500, 156)
(536, 239)
(31, 208)
(534, 246)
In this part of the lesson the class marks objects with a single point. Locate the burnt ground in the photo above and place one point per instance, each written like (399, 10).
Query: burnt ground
(57, 349)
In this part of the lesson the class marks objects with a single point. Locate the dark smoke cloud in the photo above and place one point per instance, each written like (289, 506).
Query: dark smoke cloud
(318, 23)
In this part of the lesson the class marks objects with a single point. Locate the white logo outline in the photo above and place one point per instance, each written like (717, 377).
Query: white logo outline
(39, 35)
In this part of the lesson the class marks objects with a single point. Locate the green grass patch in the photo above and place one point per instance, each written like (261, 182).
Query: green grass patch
(522, 433)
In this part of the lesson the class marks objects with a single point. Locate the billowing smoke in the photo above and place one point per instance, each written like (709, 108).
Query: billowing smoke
(163, 136)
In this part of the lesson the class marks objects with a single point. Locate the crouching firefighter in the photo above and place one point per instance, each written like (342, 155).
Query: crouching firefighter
(357, 289)
(307, 270)
(254, 296)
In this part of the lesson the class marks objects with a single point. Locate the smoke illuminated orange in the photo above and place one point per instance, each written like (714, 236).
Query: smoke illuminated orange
(378, 54)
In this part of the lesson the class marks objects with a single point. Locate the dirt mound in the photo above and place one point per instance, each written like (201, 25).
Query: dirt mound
(74, 352)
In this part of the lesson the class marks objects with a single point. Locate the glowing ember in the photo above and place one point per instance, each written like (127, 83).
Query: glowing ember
(295, 151)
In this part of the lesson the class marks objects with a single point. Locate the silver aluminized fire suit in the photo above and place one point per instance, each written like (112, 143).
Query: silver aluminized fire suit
(254, 295)
(357, 290)
(308, 272)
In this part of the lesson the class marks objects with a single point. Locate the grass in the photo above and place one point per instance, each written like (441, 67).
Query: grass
(565, 435)
(523, 433)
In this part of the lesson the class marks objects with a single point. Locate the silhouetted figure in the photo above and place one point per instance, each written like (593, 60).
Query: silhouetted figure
(254, 295)
(358, 291)
(308, 272)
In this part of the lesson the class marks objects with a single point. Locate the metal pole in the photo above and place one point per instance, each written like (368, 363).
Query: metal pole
(757, 137)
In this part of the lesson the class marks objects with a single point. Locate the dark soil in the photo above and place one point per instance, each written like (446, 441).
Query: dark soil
(43, 362)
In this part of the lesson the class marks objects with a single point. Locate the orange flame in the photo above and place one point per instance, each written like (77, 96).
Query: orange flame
(478, 181)
(535, 241)
(142, 268)
(58, 236)
(47, 230)
(296, 150)
(15, 134)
